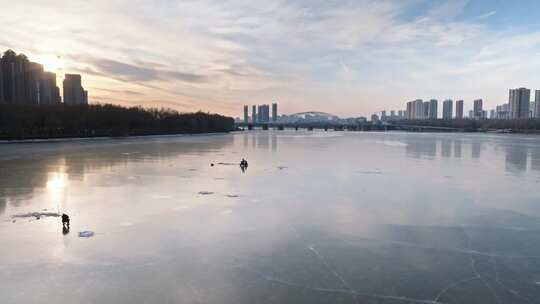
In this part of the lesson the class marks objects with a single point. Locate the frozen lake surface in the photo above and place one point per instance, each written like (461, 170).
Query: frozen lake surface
(318, 217)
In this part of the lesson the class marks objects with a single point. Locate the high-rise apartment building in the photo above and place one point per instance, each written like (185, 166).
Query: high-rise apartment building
(478, 109)
(447, 109)
(246, 114)
(537, 104)
(425, 114)
(459, 109)
(48, 90)
(433, 109)
(518, 101)
(13, 76)
(33, 77)
(254, 114)
(74, 93)
(266, 113)
(409, 110)
(274, 112)
(502, 111)
(1, 83)
(418, 109)
(259, 114)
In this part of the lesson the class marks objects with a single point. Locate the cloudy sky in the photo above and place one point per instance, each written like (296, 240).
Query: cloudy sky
(348, 58)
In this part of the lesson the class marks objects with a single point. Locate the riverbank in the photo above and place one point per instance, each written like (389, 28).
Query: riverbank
(531, 125)
(103, 138)
(44, 122)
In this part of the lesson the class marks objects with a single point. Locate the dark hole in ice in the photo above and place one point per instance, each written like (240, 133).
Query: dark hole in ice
(227, 164)
(370, 172)
(36, 215)
(206, 192)
(86, 234)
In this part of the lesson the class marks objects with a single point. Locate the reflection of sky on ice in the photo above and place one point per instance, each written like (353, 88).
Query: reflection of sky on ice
(317, 217)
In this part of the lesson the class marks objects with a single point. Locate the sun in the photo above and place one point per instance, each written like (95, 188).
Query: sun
(51, 63)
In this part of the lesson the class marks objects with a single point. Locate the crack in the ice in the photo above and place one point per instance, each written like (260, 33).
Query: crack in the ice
(327, 266)
(346, 291)
(498, 280)
(344, 283)
(473, 267)
(333, 271)
(448, 249)
(453, 285)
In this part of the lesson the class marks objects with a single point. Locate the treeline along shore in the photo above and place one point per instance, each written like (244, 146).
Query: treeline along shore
(102, 120)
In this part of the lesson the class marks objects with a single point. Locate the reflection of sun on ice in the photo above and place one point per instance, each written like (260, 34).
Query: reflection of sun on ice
(56, 182)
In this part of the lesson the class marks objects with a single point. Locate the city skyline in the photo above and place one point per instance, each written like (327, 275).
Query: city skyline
(24, 82)
(340, 57)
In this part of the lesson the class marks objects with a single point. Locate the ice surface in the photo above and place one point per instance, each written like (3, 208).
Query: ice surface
(326, 232)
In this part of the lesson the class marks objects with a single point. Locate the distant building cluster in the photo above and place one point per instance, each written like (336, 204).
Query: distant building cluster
(519, 106)
(25, 82)
(261, 113)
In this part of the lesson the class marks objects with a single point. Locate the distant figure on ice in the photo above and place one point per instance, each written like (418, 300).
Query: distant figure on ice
(243, 165)
(65, 220)
(65, 224)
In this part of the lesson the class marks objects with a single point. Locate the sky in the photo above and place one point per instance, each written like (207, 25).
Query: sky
(350, 58)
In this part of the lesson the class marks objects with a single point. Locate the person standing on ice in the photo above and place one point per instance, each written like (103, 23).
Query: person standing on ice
(65, 220)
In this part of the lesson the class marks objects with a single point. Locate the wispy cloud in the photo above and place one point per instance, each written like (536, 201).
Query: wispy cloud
(131, 72)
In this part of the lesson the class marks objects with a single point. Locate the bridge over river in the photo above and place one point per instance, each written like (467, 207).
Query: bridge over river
(339, 126)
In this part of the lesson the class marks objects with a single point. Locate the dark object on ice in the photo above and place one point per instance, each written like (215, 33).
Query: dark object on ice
(206, 192)
(211, 165)
(65, 230)
(65, 221)
(36, 215)
(243, 165)
(86, 234)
